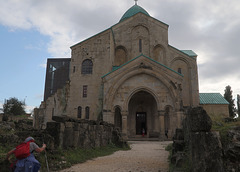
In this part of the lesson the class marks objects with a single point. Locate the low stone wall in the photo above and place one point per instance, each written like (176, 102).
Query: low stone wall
(69, 132)
(15, 118)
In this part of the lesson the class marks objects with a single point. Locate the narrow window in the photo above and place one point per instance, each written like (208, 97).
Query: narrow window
(74, 69)
(79, 112)
(87, 112)
(87, 66)
(179, 70)
(85, 91)
(140, 45)
(52, 112)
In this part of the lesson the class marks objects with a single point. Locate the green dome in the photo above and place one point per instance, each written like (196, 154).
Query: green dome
(132, 11)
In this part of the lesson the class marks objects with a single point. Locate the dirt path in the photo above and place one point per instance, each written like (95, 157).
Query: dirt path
(145, 156)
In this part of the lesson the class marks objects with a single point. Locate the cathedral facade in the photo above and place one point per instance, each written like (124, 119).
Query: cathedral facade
(127, 75)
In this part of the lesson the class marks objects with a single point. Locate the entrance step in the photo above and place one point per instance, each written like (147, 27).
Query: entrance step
(143, 139)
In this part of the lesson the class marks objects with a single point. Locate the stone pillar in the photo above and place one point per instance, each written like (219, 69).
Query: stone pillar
(180, 116)
(156, 123)
(124, 125)
(161, 122)
(172, 123)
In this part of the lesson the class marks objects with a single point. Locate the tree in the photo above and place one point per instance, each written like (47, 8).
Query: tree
(228, 96)
(238, 105)
(13, 106)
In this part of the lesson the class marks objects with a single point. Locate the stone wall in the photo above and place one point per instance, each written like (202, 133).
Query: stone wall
(70, 132)
(15, 118)
(216, 110)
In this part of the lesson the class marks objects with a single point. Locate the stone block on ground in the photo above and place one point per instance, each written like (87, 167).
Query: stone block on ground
(206, 152)
(199, 120)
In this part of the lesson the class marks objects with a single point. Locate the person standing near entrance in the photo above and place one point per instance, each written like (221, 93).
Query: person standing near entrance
(143, 132)
(166, 133)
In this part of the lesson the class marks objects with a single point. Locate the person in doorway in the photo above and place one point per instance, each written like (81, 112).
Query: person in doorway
(143, 132)
(166, 133)
(29, 163)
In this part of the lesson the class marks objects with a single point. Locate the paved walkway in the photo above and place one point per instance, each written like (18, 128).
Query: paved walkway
(145, 156)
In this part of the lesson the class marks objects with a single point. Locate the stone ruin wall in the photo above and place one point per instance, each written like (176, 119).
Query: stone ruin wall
(69, 132)
(56, 104)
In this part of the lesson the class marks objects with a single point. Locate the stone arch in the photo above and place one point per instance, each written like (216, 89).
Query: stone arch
(142, 113)
(138, 89)
(120, 56)
(180, 64)
(115, 86)
(118, 117)
(140, 40)
(159, 54)
(179, 58)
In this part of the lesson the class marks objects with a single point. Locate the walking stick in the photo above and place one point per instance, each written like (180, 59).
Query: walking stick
(46, 160)
(46, 156)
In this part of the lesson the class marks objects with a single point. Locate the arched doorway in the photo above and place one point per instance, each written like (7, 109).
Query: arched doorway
(142, 114)
(118, 118)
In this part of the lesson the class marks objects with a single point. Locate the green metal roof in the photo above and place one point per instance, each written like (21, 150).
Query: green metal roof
(212, 98)
(189, 53)
(132, 11)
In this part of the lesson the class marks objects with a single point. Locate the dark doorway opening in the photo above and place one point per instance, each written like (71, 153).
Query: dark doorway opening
(141, 123)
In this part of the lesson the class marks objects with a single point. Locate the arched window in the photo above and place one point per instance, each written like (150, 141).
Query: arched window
(87, 66)
(120, 56)
(118, 118)
(79, 112)
(74, 69)
(87, 112)
(179, 70)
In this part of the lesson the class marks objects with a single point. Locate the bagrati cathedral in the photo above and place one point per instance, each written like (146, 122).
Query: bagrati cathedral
(127, 75)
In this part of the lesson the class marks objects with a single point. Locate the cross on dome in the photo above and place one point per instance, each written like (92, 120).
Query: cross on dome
(135, 2)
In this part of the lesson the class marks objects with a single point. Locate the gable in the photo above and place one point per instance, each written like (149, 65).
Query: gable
(141, 55)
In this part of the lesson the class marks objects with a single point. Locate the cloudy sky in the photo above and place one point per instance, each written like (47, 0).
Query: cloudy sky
(33, 30)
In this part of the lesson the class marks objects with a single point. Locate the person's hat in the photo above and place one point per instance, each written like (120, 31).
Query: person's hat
(28, 139)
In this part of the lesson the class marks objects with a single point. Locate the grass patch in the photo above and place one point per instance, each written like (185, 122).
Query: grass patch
(169, 149)
(60, 159)
(223, 128)
(186, 164)
(3, 152)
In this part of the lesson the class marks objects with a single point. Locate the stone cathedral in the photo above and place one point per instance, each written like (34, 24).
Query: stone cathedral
(127, 75)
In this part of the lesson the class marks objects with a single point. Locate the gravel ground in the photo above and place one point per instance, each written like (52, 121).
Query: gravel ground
(144, 156)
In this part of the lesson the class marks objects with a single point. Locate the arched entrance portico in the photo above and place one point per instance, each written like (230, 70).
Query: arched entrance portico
(142, 113)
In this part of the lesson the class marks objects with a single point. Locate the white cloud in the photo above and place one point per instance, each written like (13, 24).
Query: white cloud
(211, 30)
(29, 109)
(44, 65)
(1, 107)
